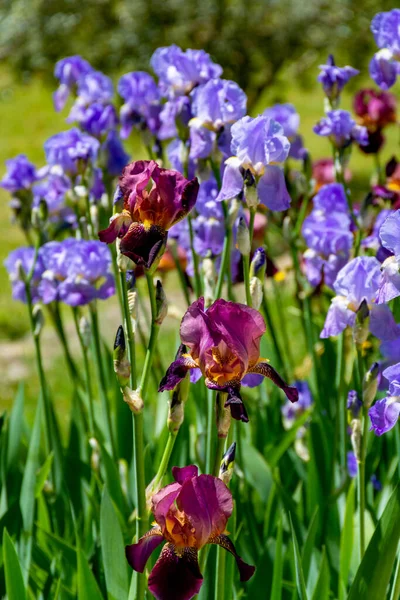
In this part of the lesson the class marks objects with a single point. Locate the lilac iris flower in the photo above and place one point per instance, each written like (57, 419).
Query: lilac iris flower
(69, 149)
(218, 102)
(287, 116)
(115, 156)
(20, 175)
(334, 78)
(373, 241)
(384, 414)
(22, 258)
(68, 71)
(327, 232)
(257, 145)
(389, 233)
(76, 272)
(223, 351)
(357, 281)
(291, 411)
(209, 235)
(384, 66)
(53, 190)
(175, 113)
(341, 128)
(94, 86)
(180, 71)
(142, 102)
(189, 513)
(96, 119)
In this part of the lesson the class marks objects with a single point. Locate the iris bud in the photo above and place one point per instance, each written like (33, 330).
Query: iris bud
(122, 367)
(256, 292)
(227, 464)
(243, 237)
(361, 326)
(370, 385)
(161, 303)
(133, 399)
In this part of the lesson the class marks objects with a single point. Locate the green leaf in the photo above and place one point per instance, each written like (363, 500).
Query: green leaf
(14, 581)
(321, 591)
(308, 545)
(113, 481)
(113, 550)
(27, 496)
(257, 471)
(346, 542)
(15, 427)
(300, 583)
(274, 453)
(43, 474)
(87, 584)
(276, 591)
(375, 570)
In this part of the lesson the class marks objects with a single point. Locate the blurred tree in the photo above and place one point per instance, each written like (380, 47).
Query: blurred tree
(253, 41)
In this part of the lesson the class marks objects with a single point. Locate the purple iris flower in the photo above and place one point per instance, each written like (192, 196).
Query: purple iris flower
(115, 156)
(177, 153)
(373, 240)
(331, 198)
(53, 190)
(96, 119)
(354, 403)
(341, 128)
(76, 272)
(142, 102)
(352, 465)
(357, 281)
(389, 286)
(175, 113)
(291, 411)
(20, 175)
(68, 71)
(209, 235)
(206, 204)
(334, 78)
(287, 116)
(223, 351)
(384, 69)
(94, 86)
(384, 66)
(218, 102)
(23, 258)
(180, 71)
(189, 513)
(71, 148)
(257, 145)
(384, 414)
(201, 141)
(376, 484)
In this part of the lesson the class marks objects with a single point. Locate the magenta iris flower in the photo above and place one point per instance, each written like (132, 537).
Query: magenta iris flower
(224, 343)
(189, 513)
(154, 200)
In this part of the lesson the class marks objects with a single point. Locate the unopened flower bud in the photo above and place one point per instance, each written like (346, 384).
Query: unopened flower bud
(124, 263)
(132, 304)
(354, 404)
(38, 319)
(227, 464)
(133, 399)
(233, 210)
(161, 303)
(361, 325)
(252, 200)
(95, 457)
(223, 415)
(209, 280)
(356, 437)
(122, 367)
(256, 292)
(35, 218)
(178, 399)
(287, 228)
(258, 263)
(130, 279)
(370, 384)
(243, 237)
(85, 331)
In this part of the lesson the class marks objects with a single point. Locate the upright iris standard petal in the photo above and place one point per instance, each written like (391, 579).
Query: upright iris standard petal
(20, 175)
(224, 343)
(385, 27)
(70, 148)
(68, 71)
(218, 102)
(334, 78)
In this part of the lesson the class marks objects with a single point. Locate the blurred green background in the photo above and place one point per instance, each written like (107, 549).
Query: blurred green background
(272, 49)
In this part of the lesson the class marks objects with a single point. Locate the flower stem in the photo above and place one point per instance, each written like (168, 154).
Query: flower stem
(88, 379)
(165, 459)
(210, 428)
(100, 375)
(226, 253)
(58, 324)
(129, 329)
(197, 279)
(154, 329)
(361, 466)
(246, 275)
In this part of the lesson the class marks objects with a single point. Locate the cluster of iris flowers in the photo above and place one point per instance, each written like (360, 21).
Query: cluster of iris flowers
(96, 223)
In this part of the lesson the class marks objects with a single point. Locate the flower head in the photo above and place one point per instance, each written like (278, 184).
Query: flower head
(287, 116)
(385, 27)
(357, 283)
(179, 71)
(259, 146)
(389, 285)
(224, 343)
(189, 513)
(374, 109)
(218, 102)
(334, 78)
(22, 259)
(20, 175)
(142, 101)
(68, 71)
(154, 199)
(341, 128)
(384, 414)
(76, 272)
(70, 149)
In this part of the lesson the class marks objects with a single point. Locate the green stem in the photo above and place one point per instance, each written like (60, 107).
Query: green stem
(341, 400)
(100, 375)
(271, 329)
(395, 594)
(197, 279)
(361, 466)
(58, 324)
(88, 379)
(226, 253)
(154, 329)
(165, 459)
(221, 553)
(181, 274)
(246, 275)
(210, 428)
(129, 329)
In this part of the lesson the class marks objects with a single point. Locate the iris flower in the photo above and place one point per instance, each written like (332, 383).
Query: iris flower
(224, 343)
(154, 199)
(189, 513)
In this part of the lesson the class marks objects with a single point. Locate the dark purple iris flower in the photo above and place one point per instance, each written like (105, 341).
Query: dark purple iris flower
(68, 71)
(115, 156)
(180, 71)
(359, 280)
(20, 175)
(189, 513)
(154, 199)
(76, 272)
(224, 343)
(384, 414)
(334, 78)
